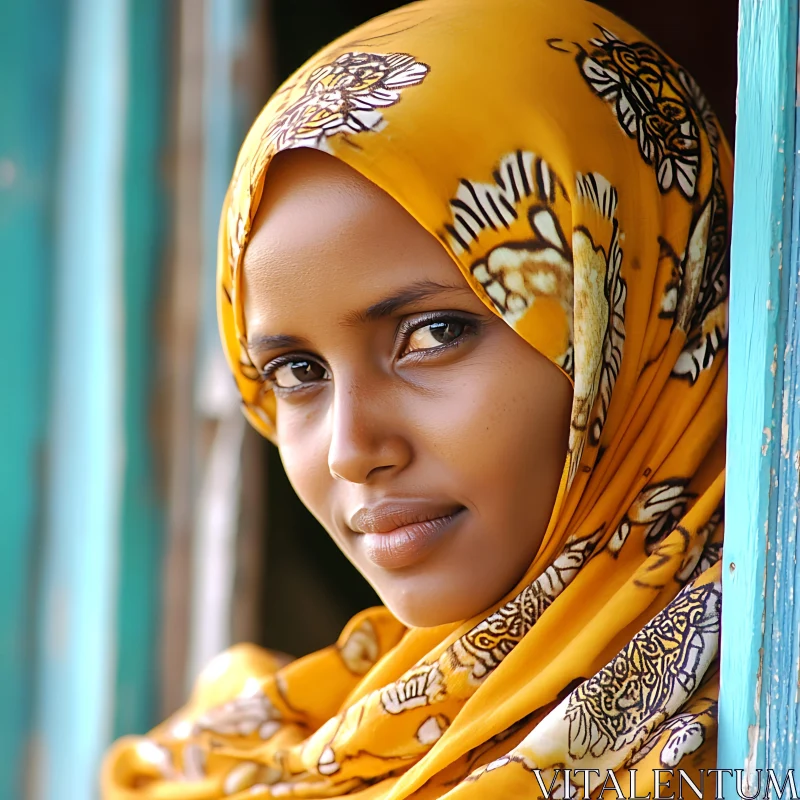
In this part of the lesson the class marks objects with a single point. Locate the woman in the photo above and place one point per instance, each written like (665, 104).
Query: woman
(478, 300)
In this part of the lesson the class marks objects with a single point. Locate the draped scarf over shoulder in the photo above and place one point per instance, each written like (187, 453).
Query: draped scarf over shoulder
(580, 183)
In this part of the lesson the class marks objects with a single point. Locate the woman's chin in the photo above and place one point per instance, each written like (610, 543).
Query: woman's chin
(421, 606)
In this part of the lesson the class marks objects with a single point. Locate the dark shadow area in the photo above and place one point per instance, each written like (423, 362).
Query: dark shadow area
(309, 588)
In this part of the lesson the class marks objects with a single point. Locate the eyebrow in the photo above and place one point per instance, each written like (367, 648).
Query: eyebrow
(413, 293)
(261, 344)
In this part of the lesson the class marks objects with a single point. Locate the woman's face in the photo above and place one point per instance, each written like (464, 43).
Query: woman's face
(423, 433)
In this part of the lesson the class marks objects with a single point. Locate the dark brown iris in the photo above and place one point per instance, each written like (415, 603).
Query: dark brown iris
(307, 371)
(445, 332)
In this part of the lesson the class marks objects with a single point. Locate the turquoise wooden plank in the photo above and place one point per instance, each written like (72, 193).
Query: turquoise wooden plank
(759, 674)
(85, 360)
(144, 220)
(31, 49)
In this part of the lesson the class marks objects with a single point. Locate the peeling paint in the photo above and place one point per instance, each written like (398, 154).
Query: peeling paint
(785, 424)
(754, 731)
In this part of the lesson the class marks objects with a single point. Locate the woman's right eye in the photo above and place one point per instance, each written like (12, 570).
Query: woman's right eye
(296, 372)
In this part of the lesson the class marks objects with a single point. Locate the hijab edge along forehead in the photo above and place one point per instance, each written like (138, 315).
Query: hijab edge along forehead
(642, 528)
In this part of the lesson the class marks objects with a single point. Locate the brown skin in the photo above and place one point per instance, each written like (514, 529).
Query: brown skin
(432, 407)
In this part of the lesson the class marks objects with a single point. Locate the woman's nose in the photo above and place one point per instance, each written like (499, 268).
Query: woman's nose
(366, 437)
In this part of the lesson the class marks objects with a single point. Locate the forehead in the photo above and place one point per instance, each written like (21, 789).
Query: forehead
(326, 237)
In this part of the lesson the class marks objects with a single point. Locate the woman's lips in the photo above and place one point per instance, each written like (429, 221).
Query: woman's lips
(397, 535)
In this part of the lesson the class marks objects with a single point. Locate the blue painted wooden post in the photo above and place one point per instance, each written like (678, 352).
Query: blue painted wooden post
(86, 363)
(144, 222)
(31, 50)
(758, 713)
(80, 168)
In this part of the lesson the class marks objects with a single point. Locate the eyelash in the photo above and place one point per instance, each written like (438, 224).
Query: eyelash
(408, 327)
(405, 330)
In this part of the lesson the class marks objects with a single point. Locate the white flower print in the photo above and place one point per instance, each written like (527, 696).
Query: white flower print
(421, 686)
(345, 97)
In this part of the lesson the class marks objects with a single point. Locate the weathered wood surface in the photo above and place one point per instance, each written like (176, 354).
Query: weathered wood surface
(758, 715)
(180, 282)
(228, 536)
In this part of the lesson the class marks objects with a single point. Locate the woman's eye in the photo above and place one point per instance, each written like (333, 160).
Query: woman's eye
(435, 334)
(296, 373)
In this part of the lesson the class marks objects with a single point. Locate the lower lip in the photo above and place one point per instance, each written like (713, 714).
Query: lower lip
(406, 546)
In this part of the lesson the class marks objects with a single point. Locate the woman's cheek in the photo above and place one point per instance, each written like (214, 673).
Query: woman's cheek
(461, 434)
(306, 466)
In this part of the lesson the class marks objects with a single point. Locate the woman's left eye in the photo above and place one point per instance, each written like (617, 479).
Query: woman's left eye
(435, 334)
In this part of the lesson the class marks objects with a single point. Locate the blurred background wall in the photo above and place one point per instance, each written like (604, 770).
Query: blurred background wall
(143, 527)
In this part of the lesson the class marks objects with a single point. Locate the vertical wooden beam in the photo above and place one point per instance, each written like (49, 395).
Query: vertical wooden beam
(141, 522)
(85, 361)
(758, 720)
(217, 501)
(180, 309)
(31, 52)
(236, 77)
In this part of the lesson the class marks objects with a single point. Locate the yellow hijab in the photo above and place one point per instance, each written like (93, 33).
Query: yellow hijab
(580, 183)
